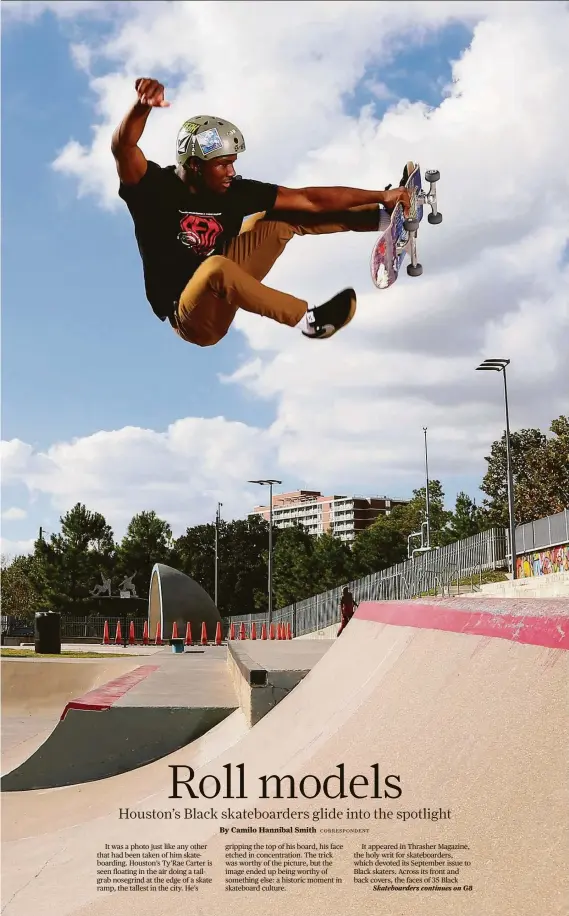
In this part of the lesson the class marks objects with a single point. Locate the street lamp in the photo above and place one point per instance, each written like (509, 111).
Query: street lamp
(269, 483)
(217, 521)
(427, 496)
(499, 365)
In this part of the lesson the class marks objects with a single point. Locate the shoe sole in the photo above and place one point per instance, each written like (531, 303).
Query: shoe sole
(352, 312)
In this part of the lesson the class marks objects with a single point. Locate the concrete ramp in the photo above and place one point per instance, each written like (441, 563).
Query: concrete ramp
(121, 725)
(469, 715)
(34, 692)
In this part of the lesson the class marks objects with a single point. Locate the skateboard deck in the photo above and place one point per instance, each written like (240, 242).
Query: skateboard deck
(393, 243)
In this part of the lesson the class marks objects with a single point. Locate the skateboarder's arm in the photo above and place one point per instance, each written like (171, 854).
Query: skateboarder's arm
(322, 200)
(130, 160)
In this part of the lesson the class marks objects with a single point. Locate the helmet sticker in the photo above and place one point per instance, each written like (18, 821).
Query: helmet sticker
(209, 140)
(183, 143)
(190, 127)
(186, 136)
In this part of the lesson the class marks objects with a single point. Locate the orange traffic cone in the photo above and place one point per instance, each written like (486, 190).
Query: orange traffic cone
(232, 631)
(106, 639)
(288, 631)
(242, 634)
(218, 634)
(253, 631)
(188, 634)
(158, 640)
(272, 631)
(145, 634)
(264, 631)
(131, 636)
(118, 634)
(204, 634)
(174, 630)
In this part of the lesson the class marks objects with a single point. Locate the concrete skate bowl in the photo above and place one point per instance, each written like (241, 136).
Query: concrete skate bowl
(468, 703)
(35, 692)
(176, 598)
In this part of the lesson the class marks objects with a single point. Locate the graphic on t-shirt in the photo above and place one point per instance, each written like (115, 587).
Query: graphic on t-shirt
(200, 232)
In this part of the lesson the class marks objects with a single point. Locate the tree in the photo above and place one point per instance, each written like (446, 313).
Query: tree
(544, 487)
(465, 521)
(540, 470)
(22, 586)
(294, 567)
(242, 552)
(148, 540)
(410, 517)
(332, 562)
(74, 561)
(380, 545)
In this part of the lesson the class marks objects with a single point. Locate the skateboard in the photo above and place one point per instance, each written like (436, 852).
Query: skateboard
(400, 237)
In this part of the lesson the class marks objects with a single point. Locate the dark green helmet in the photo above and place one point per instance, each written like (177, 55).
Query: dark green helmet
(207, 137)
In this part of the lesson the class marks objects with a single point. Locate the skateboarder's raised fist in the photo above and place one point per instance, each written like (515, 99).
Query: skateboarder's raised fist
(150, 92)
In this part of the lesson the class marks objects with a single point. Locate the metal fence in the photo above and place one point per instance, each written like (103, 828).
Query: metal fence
(92, 627)
(552, 531)
(433, 571)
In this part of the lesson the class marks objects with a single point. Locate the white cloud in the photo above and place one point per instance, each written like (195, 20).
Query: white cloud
(10, 549)
(495, 281)
(181, 472)
(14, 514)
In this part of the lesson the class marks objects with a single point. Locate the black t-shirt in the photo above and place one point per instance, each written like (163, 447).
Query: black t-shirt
(177, 230)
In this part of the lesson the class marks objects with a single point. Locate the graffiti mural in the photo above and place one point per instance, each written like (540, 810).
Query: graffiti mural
(543, 562)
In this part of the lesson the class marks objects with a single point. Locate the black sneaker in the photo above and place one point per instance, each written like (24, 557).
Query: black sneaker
(327, 319)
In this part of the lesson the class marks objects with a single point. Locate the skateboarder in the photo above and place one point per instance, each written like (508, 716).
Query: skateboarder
(200, 261)
(347, 608)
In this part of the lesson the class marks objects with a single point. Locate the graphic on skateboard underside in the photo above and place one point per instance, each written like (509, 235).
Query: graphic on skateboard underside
(390, 249)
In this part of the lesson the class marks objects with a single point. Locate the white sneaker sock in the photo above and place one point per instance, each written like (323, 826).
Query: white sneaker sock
(306, 323)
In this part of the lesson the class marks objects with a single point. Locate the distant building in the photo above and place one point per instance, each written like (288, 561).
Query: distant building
(342, 516)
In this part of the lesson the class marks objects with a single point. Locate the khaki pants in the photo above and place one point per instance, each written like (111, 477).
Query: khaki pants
(224, 283)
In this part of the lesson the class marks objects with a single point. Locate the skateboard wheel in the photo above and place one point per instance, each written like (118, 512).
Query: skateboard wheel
(432, 175)
(411, 225)
(415, 271)
(435, 218)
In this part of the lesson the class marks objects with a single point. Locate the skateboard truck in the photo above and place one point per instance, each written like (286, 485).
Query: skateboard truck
(430, 198)
(423, 198)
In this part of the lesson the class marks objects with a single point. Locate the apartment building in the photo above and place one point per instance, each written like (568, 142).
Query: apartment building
(342, 516)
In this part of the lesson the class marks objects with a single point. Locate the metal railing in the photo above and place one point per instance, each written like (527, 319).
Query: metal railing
(424, 574)
(552, 531)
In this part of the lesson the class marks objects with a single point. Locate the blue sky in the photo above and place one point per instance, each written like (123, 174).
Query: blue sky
(82, 350)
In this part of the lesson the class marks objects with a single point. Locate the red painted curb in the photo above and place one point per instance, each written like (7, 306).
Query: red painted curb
(550, 632)
(104, 696)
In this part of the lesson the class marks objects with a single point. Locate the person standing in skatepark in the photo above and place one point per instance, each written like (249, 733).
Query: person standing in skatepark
(201, 262)
(347, 608)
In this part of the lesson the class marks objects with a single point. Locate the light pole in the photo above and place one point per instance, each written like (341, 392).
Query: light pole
(269, 483)
(217, 520)
(499, 365)
(427, 498)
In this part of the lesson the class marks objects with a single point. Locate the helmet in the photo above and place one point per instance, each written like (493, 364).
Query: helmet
(207, 137)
